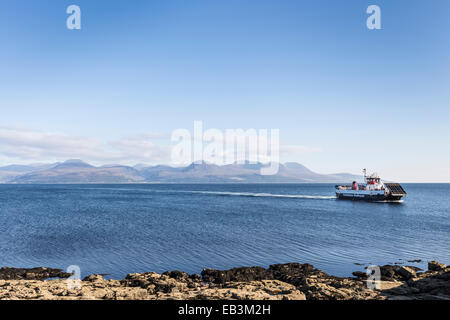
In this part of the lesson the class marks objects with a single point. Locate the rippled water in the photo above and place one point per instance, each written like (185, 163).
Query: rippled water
(119, 229)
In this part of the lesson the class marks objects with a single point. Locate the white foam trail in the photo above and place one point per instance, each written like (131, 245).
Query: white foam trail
(226, 193)
(249, 194)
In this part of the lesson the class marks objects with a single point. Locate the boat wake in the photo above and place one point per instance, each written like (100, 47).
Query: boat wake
(266, 195)
(390, 201)
(229, 194)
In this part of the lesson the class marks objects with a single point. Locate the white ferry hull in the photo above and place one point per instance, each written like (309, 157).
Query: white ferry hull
(374, 196)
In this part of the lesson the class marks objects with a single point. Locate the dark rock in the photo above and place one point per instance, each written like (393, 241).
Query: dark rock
(243, 274)
(444, 276)
(390, 272)
(159, 283)
(195, 277)
(436, 266)
(41, 273)
(432, 285)
(142, 280)
(406, 272)
(93, 278)
(178, 275)
(292, 270)
(360, 275)
(294, 273)
(415, 261)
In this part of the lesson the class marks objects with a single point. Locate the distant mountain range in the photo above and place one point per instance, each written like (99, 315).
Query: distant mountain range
(79, 172)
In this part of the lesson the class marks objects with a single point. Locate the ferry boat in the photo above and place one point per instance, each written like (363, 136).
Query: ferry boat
(372, 190)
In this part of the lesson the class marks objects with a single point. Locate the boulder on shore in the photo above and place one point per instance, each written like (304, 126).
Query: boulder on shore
(41, 273)
(436, 266)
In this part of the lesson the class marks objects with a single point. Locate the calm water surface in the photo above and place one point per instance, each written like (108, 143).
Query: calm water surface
(119, 229)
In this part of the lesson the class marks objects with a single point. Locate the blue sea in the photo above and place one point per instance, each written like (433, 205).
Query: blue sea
(120, 229)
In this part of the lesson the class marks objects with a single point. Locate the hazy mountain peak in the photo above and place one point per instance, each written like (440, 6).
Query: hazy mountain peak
(248, 165)
(77, 161)
(296, 166)
(200, 164)
(112, 165)
(73, 163)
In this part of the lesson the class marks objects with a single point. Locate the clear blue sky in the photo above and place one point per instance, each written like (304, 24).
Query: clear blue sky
(355, 97)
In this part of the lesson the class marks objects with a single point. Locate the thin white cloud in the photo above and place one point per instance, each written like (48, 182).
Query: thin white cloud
(297, 150)
(18, 144)
(21, 145)
(29, 144)
(142, 149)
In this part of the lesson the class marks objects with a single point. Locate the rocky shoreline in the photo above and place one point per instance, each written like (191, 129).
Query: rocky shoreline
(291, 281)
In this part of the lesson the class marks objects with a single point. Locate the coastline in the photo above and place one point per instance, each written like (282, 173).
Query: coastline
(290, 281)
